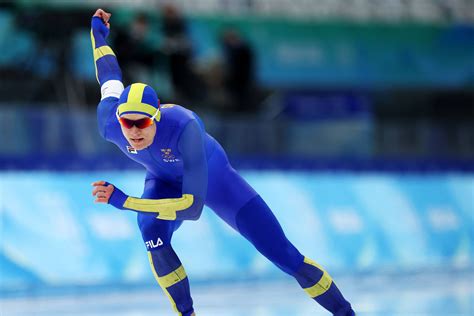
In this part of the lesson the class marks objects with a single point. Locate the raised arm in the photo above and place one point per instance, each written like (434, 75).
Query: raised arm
(107, 69)
(105, 61)
(189, 206)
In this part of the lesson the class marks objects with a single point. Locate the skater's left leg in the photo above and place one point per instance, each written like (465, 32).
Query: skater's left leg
(164, 262)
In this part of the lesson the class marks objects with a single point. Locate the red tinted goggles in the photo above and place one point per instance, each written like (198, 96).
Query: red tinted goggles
(141, 123)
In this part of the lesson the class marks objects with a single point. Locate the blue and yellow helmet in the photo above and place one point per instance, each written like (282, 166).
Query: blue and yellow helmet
(139, 98)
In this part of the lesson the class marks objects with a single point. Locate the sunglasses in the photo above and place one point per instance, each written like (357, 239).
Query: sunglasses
(141, 123)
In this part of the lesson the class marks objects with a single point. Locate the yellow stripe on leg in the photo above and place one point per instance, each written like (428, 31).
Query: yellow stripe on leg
(172, 278)
(322, 285)
(158, 279)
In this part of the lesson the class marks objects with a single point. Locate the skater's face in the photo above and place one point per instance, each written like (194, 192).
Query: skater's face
(138, 129)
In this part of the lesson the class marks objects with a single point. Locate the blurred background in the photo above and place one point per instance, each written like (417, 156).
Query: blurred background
(354, 119)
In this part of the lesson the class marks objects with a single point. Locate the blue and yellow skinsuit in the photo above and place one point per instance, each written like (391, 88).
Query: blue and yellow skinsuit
(187, 169)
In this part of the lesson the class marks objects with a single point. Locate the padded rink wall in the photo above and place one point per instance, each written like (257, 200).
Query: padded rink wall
(52, 234)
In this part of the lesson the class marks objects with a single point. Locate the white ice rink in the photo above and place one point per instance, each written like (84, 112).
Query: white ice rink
(422, 293)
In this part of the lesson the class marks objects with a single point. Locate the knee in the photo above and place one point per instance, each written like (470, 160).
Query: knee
(164, 260)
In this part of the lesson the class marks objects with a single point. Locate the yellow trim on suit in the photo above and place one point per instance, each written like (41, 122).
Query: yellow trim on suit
(322, 285)
(166, 208)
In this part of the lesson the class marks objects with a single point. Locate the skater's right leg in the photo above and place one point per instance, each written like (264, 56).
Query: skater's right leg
(258, 224)
(237, 203)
